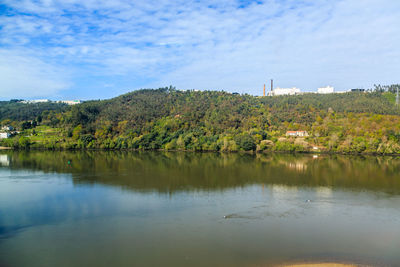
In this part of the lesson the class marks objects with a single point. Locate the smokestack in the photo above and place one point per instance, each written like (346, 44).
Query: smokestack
(272, 85)
(264, 90)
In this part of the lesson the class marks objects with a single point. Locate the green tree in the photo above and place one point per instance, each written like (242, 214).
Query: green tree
(24, 142)
(245, 142)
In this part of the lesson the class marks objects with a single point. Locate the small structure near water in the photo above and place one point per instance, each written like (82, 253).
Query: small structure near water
(4, 135)
(7, 128)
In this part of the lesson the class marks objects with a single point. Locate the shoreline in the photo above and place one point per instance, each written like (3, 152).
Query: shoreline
(321, 264)
(207, 151)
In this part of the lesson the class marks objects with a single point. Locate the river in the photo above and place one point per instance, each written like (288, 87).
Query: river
(99, 208)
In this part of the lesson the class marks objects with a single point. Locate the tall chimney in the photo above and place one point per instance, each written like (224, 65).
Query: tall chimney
(272, 85)
(264, 90)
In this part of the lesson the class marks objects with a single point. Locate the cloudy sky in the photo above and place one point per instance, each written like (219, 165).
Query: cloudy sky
(95, 49)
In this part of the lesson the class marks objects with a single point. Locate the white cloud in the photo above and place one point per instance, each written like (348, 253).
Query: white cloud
(200, 44)
(23, 76)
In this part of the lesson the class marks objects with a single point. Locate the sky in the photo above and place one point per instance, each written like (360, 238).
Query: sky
(97, 49)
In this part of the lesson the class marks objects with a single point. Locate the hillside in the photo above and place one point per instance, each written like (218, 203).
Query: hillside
(219, 121)
(16, 111)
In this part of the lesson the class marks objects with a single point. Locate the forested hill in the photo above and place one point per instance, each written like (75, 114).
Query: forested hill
(213, 120)
(146, 105)
(16, 111)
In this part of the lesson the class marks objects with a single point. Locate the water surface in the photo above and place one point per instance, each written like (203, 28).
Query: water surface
(197, 209)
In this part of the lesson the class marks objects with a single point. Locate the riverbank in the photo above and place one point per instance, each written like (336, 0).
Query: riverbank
(206, 151)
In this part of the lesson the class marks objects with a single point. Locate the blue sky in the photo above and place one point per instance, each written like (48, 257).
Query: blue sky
(95, 49)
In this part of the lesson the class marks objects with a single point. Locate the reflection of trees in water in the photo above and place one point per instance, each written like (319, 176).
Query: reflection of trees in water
(172, 171)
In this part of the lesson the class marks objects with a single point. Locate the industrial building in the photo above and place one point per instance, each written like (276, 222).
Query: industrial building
(285, 91)
(326, 90)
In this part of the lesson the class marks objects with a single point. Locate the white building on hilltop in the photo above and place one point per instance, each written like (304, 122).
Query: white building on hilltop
(285, 91)
(35, 101)
(69, 102)
(326, 90)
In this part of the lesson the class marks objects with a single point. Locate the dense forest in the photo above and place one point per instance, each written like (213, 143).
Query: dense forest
(169, 119)
(14, 110)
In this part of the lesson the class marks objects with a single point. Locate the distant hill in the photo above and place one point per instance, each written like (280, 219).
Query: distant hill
(17, 111)
(229, 110)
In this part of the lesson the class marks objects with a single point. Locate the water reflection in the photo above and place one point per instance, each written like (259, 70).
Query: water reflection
(4, 160)
(171, 172)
